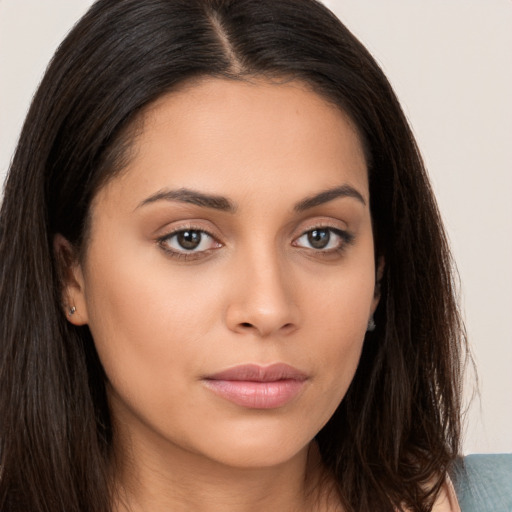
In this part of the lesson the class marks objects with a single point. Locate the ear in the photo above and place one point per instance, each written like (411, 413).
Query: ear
(71, 281)
(379, 272)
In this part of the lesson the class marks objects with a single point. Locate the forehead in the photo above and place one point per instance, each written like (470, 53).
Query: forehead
(216, 135)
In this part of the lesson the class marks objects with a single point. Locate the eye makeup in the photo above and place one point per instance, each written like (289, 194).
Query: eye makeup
(188, 243)
(324, 239)
(192, 242)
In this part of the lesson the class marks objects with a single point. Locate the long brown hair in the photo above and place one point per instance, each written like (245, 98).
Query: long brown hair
(395, 434)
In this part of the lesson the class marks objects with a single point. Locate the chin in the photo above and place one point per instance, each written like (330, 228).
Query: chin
(258, 446)
(260, 457)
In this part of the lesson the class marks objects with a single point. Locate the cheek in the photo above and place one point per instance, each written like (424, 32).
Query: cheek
(340, 310)
(146, 320)
(147, 330)
(341, 303)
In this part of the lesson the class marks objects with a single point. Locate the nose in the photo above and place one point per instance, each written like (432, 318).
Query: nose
(262, 302)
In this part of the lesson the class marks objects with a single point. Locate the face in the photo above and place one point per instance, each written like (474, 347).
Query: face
(229, 276)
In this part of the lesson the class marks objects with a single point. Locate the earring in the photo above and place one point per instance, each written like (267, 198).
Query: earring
(71, 311)
(371, 325)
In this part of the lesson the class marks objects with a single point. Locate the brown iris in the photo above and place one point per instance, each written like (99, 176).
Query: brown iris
(189, 239)
(319, 238)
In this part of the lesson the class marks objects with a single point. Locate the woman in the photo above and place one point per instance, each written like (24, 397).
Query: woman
(224, 283)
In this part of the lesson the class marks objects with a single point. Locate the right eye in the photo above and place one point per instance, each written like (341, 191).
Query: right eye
(185, 242)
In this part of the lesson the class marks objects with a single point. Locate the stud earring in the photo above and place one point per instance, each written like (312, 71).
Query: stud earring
(71, 311)
(371, 325)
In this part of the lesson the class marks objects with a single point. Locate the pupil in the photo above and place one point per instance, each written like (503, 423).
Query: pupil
(189, 239)
(319, 238)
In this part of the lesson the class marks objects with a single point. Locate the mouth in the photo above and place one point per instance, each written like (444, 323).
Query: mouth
(258, 387)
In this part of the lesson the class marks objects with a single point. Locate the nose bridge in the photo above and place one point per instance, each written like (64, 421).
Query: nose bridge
(263, 300)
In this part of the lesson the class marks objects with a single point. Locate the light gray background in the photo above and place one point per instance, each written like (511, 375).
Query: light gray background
(450, 63)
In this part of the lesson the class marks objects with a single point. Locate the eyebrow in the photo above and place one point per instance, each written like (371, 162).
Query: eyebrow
(221, 203)
(185, 195)
(329, 195)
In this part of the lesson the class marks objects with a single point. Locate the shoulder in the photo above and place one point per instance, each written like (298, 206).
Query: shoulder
(483, 482)
(447, 499)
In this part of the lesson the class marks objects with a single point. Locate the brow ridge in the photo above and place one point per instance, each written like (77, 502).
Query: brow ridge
(217, 202)
(186, 195)
(329, 195)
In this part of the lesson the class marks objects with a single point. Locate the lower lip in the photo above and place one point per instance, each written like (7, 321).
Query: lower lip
(257, 395)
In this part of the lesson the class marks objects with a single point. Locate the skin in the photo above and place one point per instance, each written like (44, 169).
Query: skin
(255, 291)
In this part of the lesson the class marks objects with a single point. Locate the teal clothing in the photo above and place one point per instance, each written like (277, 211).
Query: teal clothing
(483, 483)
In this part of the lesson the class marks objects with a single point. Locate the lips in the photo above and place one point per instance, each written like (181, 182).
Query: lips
(257, 387)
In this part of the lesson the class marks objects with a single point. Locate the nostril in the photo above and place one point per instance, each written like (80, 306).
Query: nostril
(248, 325)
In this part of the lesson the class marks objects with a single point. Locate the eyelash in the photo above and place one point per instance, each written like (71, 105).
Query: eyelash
(184, 254)
(346, 238)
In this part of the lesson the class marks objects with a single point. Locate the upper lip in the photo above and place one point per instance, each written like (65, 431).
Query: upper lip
(257, 373)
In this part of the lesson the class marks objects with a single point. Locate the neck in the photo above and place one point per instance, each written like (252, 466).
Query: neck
(174, 479)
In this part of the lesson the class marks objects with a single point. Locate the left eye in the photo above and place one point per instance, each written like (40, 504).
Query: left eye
(322, 239)
(188, 241)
